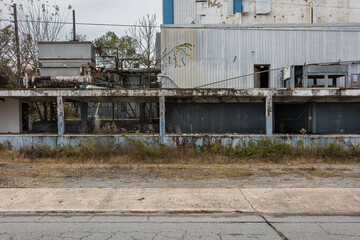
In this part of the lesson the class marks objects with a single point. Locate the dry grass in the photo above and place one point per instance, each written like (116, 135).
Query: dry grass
(153, 152)
(143, 159)
(311, 172)
(200, 172)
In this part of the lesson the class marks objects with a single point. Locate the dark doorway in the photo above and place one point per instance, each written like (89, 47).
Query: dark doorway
(25, 117)
(261, 76)
(291, 118)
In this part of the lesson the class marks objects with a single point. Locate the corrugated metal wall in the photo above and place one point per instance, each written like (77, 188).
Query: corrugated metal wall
(215, 118)
(184, 11)
(230, 51)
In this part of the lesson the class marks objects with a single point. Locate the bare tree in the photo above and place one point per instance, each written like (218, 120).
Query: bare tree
(144, 34)
(39, 20)
(42, 21)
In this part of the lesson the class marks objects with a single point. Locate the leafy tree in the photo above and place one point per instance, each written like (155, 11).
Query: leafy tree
(110, 46)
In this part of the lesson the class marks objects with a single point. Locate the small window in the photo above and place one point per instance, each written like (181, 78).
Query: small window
(261, 76)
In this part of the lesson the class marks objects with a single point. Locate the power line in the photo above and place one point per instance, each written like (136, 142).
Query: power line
(86, 24)
(238, 77)
(272, 70)
(349, 28)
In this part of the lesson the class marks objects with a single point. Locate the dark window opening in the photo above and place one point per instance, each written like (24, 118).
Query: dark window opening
(262, 76)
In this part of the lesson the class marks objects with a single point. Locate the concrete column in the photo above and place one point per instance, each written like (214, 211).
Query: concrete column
(326, 81)
(292, 76)
(162, 116)
(269, 115)
(61, 116)
(84, 116)
(305, 78)
(314, 118)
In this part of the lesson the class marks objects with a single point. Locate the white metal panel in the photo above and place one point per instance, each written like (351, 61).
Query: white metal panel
(229, 51)
(10, 116)
(263, 6)
(246, 6)
(184, 11)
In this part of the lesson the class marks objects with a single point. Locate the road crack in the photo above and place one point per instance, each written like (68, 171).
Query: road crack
(278, 232)
(246, 199)
(274, 228)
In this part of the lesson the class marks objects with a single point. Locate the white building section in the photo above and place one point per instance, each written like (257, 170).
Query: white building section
(223, 53)
(10, 117)
(266, 11)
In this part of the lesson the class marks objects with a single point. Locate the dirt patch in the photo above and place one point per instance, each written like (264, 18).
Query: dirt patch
(23, 173)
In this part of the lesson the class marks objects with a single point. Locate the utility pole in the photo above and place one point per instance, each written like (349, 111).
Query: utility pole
(74, 26)
(17, 50)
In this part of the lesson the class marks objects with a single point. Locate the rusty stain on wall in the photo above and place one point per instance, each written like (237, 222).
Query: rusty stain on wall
(214, 4)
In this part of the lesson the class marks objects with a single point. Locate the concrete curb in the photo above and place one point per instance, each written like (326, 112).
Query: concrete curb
(320, 201)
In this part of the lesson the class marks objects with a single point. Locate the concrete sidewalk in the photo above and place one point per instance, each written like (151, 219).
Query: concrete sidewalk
(179, 200)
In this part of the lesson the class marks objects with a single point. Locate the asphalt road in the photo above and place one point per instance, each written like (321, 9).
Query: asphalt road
(178, 227)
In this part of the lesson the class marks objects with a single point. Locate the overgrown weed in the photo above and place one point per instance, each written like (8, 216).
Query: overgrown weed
(152, 151)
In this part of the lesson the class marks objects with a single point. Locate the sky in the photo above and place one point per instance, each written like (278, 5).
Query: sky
(110, 11)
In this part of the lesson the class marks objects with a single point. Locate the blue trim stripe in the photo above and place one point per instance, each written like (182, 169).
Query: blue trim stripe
(237, 6)
(168, 11)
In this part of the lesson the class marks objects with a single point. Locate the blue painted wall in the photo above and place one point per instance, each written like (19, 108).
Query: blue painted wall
(237, 6)
(168, 11)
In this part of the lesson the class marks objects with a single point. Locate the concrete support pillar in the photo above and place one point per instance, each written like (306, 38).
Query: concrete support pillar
(292, 76)
(326, 81)
(314, 118)
(113, 111)
(61, 116)
(269, 115)
(84, 116)
(162, 116)
(305, 78)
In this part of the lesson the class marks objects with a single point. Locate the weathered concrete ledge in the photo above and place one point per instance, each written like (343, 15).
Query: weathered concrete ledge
(323, 201)
(54, 141)
(78, 93)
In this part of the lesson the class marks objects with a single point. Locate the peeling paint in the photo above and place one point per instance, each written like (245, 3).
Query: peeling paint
(180, 93)
(194, 140)
(269, 11)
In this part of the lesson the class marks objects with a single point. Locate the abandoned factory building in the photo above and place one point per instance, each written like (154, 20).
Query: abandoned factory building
(250, 70)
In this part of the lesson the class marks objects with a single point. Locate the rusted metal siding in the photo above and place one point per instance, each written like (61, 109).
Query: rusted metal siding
(228, 51)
